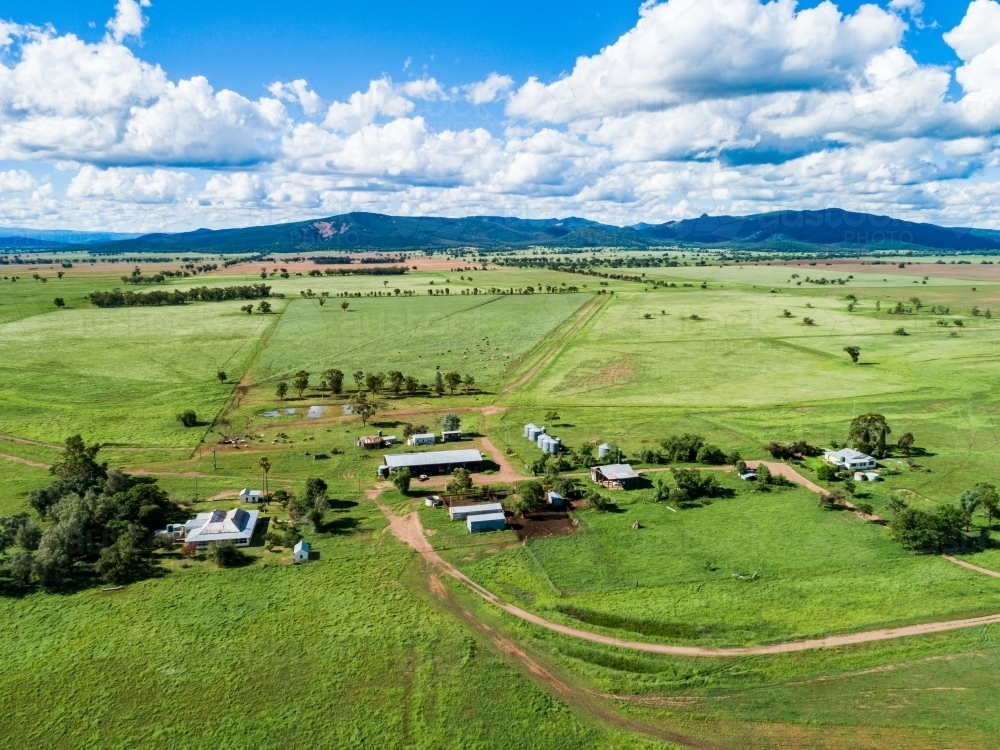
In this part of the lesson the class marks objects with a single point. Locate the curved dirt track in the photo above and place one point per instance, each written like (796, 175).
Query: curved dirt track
(408, 529)
(970, 566)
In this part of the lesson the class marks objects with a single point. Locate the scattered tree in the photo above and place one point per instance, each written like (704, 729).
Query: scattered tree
(530, 497)
(901, 332)
(344, 306)
(412, 384)
(438, 383)
(363, 408)
(461, 481)
(301, 382)
(282, 390)
(551, 416)
(453, 379)
(59, 302)
(188, 418)
(264, 307)
(359, 379)
(451, 422)
(221, 375)
(334, 380)
(396, 380)
(854, 352)
(375, 383)
(401, 479)
(469, 382)
(905, 443)
(265, 468)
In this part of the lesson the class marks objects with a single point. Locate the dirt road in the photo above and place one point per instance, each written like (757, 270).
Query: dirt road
(588, 313)
(26, 462)
(970, 566)
(409, 530)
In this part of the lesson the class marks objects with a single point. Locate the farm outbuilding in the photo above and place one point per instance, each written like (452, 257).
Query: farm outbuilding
(300, 552)
(549, 444)
(370, 442)
(451, 436)
(556, 500)
(424, 438)
(436, 462)
(614, 476)
(462, 512)
(486, 522)
(250, 496)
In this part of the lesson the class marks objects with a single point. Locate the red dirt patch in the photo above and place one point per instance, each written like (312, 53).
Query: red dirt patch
(544, 524)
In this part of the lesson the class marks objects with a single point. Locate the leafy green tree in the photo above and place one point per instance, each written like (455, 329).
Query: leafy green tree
(265, 468)
(282, 390)
(316, 489)
(375, 383)
(79, 462)
(264, 307)
(461, 481)
(696, 484)
(412, 385)
(530, 497)
(19, 567)
(682, 448)
(865, 509)
(301, 382)
(59, 302)
(661, 491)
(401, 479)
(551, 416)
(225, 554)
(359, 379)
(363, 408)
(880, 444)
(905, 443)
(469, 382)
(453, 379)
(438, 383)
(221, 375)
(344, 306)
(451, 422)
(866, 431)
(188, 418)
(396, 380)
(710, 454)
(125, 560)
(982, 495)
(854, 352)
(334, 380)
(763, 475)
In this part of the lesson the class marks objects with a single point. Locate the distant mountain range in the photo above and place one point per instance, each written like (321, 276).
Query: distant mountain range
(780, 230)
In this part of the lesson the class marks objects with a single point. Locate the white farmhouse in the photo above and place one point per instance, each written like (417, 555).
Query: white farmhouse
(850, 459)
(236, 526)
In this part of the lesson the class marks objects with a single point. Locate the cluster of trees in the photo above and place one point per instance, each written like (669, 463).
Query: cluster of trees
(868, 434)
(118, 298)
(687, 448)
(311, 505)
(948, 527)
(693, 488)
(101, 522)
(788, 451)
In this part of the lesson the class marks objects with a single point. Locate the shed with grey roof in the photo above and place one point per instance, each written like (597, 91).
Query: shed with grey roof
(486, 522)
(461, 512)
(436, 462)
(614, 476)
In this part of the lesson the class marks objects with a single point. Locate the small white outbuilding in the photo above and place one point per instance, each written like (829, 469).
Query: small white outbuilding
(300, 552)
(250, 496)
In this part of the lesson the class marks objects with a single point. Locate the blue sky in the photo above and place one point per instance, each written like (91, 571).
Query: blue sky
(135, 116)
(339, 47)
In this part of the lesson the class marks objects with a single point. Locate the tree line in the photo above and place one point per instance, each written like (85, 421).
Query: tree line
(156, 297)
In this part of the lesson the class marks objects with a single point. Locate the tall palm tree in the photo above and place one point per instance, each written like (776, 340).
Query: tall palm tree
(265, 466)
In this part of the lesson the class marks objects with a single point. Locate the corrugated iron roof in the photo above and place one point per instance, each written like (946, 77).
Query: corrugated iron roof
(432, 458)
(617, 471)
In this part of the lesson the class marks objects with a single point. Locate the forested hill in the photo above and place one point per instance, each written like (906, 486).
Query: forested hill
(787, 230)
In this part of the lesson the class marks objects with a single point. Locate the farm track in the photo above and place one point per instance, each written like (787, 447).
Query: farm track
(408, 529)
(26, 462)
(585, 316)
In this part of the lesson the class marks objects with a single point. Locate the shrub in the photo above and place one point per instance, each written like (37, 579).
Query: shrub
(598, 501)
(682, 448)
(225, 554)
(188, 418)
(461, 481)
(711, 455)
(696, 484)
(827, 473)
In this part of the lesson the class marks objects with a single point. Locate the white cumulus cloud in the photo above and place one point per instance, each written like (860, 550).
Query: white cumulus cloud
(484, 92)
(128, 20)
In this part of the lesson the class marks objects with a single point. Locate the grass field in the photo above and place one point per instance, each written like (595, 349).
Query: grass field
(355, 649)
